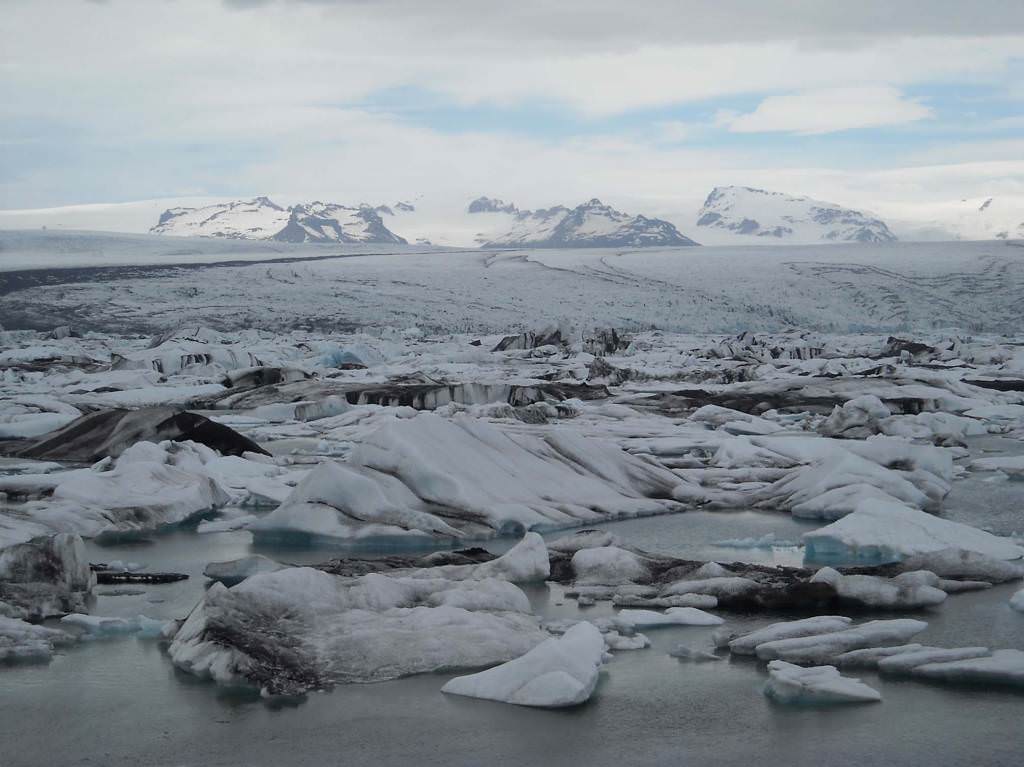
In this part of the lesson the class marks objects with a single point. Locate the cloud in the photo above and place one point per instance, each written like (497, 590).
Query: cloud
(829, 110)
(125, 99)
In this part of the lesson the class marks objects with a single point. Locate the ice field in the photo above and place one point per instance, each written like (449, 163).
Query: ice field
(510, 502)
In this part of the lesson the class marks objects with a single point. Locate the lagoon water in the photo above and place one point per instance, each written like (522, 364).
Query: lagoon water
(120, 702)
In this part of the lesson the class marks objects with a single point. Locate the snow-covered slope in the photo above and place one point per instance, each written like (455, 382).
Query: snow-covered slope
(976, 218)
(592, 224)
(775, 216)
(262, 219)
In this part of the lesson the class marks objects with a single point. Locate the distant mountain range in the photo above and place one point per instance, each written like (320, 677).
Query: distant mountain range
(729, 215)
(749, 212)
(262, 219)
(592, 224)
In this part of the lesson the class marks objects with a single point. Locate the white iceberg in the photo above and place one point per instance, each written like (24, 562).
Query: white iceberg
(237, 570)
(674, 616)
(608, 565)
(1002, 667)
(1017, 601)
(818, 648)
(431, 477)
(559, 672)
(817, 685)
(905, 662)
(819, 624)
(301, 629)
(899, 593)
(22, 642)
(880, 531)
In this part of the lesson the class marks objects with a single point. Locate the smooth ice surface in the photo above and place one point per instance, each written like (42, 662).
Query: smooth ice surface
(883, 531)
(486, 479)
(819, 648)
(673, 616)
(561, 671)
(818, 685)
(237, 570)
(819, 624)
(1002, 667)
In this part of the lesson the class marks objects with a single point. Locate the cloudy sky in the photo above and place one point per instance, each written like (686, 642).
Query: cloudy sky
(650, 103)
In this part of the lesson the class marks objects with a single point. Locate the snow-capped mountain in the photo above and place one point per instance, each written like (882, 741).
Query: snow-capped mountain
(491, 205)
(977, 218)
(262, 219)
(741, 210)
(592, 224)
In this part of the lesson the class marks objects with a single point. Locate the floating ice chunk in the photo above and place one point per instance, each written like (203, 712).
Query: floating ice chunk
(838, 502)
(103, 627)
(693, 654)
(869, 657)
(904, 662)
(144, 490)
(1013, 465)
(674, 616)
(856, 417)
(559, 672)
(583, 539)
(872, 591)
(45, 577)
(964, 564)
(879, 531)
(703, 601)
(22, 642)
(1002, 667)
(237, 570)
(717, 587)
(608, 565)
(709, 570)
(1017, 601)
(820, 624)
(617, 641)
(808, 487)
(526, 562)
(822, 647)
(814, 686)
(226, 524)
(767, 541)
(301, 629)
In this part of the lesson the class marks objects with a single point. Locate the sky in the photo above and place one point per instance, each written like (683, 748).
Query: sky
(884, 105)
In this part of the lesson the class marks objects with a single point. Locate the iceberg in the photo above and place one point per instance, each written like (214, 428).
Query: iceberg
(559, 672)
(746, 644)
(45, 577)
(818, 648)
(302, 629)
(237, 570)
(429, 477)
(1017, 601)
(905, 662)
(899, 593)
(608, 565)
(880, 531)
(673, 616)
(1002, 667)
(817, 685)
(100, 627)
(22, 642)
